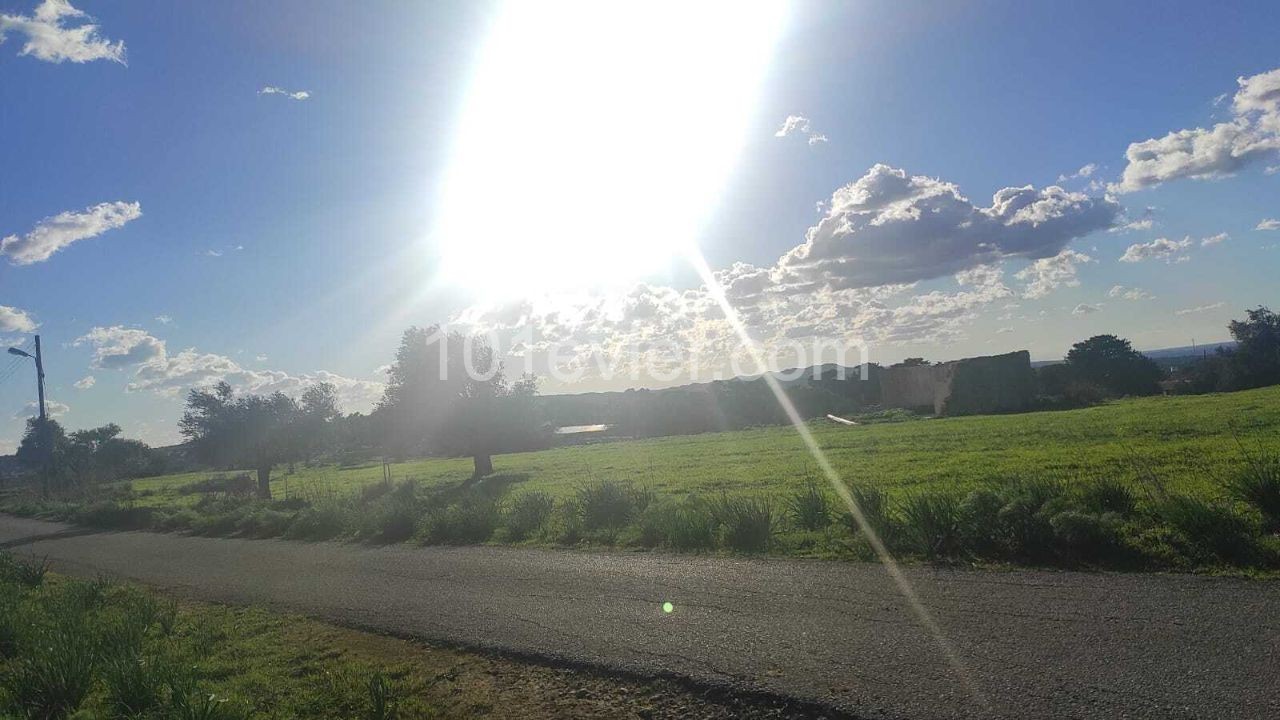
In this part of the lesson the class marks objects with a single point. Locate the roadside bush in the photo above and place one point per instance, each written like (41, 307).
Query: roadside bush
(108, 514)
(746, 524)
(526, 514)
(688, 524)
(1258, 484)
(566, 523)
(261, 522)
(324, 522)
(472, 519)
(876, 510)
(1107, 495)
(810, 507)
(931, 524)
(1024, 519)
(28, 573)
(1213, 527)
(54, 670)
(1082, 536)
(979, 523)
(606, 505)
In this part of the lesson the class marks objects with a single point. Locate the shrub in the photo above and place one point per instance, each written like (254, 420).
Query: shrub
(263, 523)
(746, 523)
(382, 698)
(810, 507)
(107, 514)
(369, 493)
(1211, 526)
(566, 523)
(605, 505)
(1258, 484)
(689, 524)
(54, 671)
(317, 523)
(1107, 495)
(28, 573)
(931, 523)
(470, 520)
(980, 523)
(876, 510)
(1024, 519)
(1082, 536)
(527, 514)
(131, 683)
(392, 518)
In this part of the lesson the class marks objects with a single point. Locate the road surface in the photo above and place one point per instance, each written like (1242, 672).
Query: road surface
(1027, 643)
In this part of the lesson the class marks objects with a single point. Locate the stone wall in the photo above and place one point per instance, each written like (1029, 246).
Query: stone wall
(995, 383)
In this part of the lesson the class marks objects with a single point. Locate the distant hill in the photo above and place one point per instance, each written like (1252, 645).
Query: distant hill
(1182, 353)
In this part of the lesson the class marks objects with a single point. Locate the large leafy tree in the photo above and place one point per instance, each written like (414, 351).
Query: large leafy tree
(251, 431)
(448, 393)
(1257, 354)
(1112, 364)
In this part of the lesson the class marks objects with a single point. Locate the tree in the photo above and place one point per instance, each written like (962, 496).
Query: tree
(449, 393)
(41, 442)
(315, 426)
(1257, 354)
(253, 431)
(1112, 364)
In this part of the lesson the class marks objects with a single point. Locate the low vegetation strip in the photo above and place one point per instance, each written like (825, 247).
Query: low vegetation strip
(1157, 483)
(100, 649)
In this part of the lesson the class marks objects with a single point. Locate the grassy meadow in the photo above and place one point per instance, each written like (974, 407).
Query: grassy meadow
(1184, 483)
(1186, 441)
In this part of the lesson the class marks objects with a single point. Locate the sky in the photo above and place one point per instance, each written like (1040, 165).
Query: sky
(270, 193)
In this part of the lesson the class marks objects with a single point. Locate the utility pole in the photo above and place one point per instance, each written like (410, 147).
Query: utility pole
(40, 381)
(45, 433)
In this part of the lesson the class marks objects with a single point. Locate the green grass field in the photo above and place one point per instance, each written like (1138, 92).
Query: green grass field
(1188, 442)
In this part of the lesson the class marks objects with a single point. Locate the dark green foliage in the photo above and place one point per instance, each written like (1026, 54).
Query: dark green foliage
(1215, 528)
(526, 514)
(1107, 495)
(1086, 537)
(689, 524)
(392, 517)
(979, 521)
(1258, 484)
(874, 504)
(55, 668)
(28, 573)
(1112, 364)
(323, 522)
(471, 519)
(746, 524)
(931, 524)
(810, 507)
(108, 514)
(606, 505)
(382, 698)
(1023, 525)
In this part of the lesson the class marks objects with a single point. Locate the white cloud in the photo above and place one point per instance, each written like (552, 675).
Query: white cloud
(168, 374)
(272, 90)
(1158, 249)
(52, 407)
(1252, 134)
(1083, 172)
(1129, 293)
(888, 227)
(49, 40)
(1268, 224)
(1214, 239)
(85, 382)
(1083, 309)
(801, 126)
(213, 253)
(1048, 274)
(164, 319)
(55, 233)
(13, 319)
(1199, 309)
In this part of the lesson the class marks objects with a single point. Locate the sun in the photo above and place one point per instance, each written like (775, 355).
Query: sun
(595, 138)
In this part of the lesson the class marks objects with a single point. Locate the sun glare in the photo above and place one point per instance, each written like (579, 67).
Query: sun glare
(595, 138)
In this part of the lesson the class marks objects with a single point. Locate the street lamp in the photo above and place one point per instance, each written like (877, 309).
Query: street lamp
(44, 418)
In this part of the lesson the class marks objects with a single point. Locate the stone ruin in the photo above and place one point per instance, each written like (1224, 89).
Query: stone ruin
(990, 384)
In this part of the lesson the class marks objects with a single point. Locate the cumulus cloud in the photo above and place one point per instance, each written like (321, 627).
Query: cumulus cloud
(1129, 293)
(888, 227)
(52, 407)
(55, 233)
(1158, 249)
(1199, 309)
(85, 382)
(13, 319)
(1048, 274)
(1083, 309)
(48, 37)
(292, 95)
(1205, 153)
(1268, 224)
(800, 126)
(1214, 239)
(1084, 172)
(157, 370)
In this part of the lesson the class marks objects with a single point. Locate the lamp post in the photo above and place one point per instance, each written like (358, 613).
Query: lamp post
(44, 418)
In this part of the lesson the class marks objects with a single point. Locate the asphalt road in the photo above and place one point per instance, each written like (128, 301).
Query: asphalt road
(1031, 644)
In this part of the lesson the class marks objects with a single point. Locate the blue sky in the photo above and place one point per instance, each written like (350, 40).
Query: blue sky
(286, 240)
